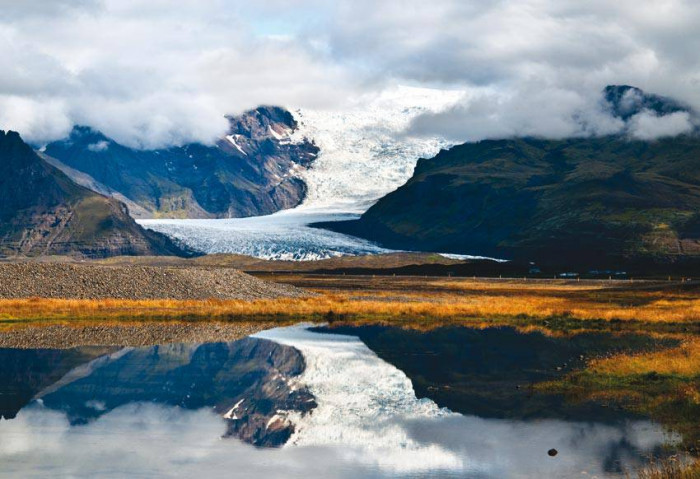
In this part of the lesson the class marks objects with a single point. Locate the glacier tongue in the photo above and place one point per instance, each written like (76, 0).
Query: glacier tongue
(281, 236)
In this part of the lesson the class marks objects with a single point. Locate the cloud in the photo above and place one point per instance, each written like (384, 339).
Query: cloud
(551, 113)
(647, 125)
(153, 73)
(99, 146)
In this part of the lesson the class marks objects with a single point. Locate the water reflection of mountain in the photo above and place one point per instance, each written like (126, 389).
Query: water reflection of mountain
(250, 383)
(25, 372)
(487, 372)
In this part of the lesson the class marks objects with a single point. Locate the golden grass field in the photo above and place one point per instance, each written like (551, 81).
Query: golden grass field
(397, 299)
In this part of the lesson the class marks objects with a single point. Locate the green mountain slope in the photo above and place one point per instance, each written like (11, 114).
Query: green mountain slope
(587, 202)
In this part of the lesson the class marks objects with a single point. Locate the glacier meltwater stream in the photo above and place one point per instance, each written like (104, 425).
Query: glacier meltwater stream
(364, 155)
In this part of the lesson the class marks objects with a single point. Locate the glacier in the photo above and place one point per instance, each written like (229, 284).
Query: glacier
(282, 236)
(363, 156)
(364, 153)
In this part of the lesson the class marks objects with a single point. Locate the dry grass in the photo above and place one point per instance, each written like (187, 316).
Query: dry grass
(671, 468)
(401, 299)
(681, 361)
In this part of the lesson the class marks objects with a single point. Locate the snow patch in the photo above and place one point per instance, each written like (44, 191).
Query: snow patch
(231, 414)
(466, 257)
(232, 139)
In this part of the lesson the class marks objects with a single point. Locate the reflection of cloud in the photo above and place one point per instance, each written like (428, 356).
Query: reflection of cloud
(518, 449)
(145, 440)
(150, 441)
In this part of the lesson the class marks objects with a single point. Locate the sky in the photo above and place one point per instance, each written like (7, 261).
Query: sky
(153, 73)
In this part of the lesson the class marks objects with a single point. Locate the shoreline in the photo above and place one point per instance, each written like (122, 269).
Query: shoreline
(135, 334)
(559, 306)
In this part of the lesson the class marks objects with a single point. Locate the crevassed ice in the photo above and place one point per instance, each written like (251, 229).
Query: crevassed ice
(363, 153)
(282, 236)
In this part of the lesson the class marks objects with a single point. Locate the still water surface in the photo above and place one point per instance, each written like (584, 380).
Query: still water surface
(295, 402)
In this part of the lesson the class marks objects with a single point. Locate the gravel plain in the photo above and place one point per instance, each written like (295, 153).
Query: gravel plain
(90, 281)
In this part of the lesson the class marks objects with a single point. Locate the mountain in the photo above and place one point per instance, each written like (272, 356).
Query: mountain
(253, 170)
(625, 101)
(583, 202)
(43, 212)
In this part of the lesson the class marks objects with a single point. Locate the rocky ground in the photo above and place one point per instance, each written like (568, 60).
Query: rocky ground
(76, 281)
(137, 334)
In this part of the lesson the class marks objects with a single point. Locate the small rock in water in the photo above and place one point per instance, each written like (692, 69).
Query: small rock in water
(552, 452)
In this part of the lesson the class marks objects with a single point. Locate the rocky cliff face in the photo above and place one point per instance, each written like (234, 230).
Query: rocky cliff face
(253, 170)
(43, 212)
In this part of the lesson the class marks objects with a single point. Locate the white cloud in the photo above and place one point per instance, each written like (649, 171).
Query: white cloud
(647, 125)
(529, 111)
(152, 73)
(99, 146)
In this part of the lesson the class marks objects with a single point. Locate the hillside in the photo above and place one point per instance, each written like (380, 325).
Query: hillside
(42, 212)
(586, 202)
(252, 171)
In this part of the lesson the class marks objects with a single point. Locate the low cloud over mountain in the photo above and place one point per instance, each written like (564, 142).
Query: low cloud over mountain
(153, 74)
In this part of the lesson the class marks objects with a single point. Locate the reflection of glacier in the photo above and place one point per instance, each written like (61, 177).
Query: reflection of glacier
(364, 155)
(371, 399)
(368, 423)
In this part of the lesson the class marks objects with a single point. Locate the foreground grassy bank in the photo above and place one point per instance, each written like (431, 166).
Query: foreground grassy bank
(399, 299)
(663, 385)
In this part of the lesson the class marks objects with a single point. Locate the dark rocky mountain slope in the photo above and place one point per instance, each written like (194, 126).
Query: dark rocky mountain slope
(252, 171)
(43, 212)
(586, 202)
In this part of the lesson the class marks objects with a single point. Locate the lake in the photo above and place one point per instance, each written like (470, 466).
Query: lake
(319, 402)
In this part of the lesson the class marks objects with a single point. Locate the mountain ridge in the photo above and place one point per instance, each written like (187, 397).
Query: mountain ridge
(43, 212)
(251, 171)
(581, 202)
